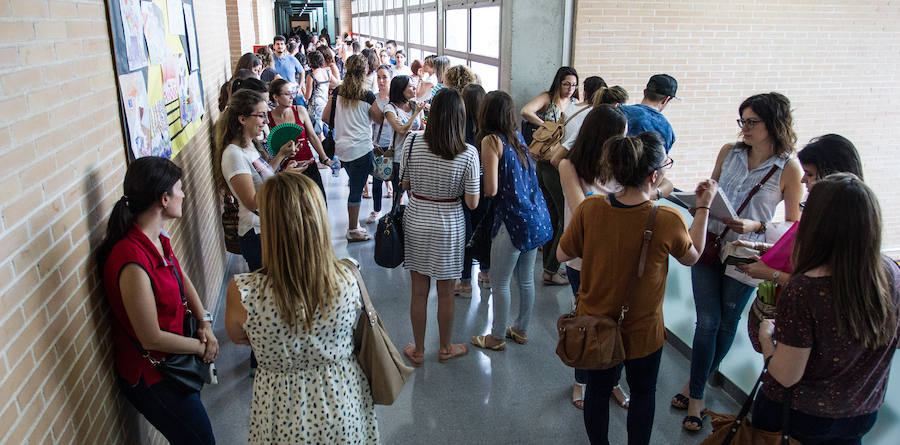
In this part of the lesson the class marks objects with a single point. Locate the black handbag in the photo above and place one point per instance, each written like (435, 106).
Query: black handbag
(186, 373)
(479, 244)
(328, 142)
(389, 242)
(528, 130)
(230, 224)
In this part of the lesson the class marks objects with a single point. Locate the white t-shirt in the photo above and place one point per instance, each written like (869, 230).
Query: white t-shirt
(573, 127)
(403, 117)
(237, 161)
(352, 128)
(387, 132)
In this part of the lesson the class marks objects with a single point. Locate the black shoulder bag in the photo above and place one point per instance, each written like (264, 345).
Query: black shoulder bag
(389, 243)
(328, 142)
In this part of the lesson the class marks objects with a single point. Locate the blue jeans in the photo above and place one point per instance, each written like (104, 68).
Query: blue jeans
(574, 276)
(507, 260)
(641, 374)
(180, 417)
(358, 170)
(719, 301)
(812, 430)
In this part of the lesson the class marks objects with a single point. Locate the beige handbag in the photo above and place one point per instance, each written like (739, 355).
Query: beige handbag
(377, 355)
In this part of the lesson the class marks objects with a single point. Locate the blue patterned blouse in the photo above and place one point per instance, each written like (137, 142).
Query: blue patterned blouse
(519, 202)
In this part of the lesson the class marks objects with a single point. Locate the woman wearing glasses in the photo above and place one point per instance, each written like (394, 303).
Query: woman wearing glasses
(550, 106)
(764, 155)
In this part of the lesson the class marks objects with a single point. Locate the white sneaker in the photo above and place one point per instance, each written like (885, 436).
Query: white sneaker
(373, 217)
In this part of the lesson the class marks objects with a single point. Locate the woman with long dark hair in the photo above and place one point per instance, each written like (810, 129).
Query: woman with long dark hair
(472, 95)
(402, 113)
(762, 156)
(521, 220)
(611, 252)
(836, 321)
(145, 286)
(551, 106)
(440, 171)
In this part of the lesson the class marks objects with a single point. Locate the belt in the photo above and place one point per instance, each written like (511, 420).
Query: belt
(434, 200)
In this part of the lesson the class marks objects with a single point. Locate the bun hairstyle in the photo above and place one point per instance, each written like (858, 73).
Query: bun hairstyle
(146, 181)
(251, 83)
(631, 159)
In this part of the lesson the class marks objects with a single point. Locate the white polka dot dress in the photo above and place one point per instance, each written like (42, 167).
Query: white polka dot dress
(309, 387)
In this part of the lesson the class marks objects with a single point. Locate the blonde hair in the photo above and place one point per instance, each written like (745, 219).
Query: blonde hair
(300, 265)
(353, 88)
(459, 77)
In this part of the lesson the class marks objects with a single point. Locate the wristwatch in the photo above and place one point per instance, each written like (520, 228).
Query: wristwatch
(762, 228)
(775, 275)
(207, 317)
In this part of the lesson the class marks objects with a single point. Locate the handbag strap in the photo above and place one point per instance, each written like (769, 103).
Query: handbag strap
(187, 312)
(399, 194)
(756, 188)
(566, 122)
(748, 404)
(363, 292)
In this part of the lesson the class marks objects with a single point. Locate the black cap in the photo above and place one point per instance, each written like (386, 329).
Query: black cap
(663, 84)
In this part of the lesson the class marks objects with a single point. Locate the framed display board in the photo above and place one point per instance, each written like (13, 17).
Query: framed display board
(154, 47)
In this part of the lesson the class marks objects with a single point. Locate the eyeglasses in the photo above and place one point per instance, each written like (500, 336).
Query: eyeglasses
(749, 123)
(570, 85)
(668, 163)
(259, 115)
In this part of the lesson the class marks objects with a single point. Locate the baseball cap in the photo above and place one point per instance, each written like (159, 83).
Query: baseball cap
(663, 84)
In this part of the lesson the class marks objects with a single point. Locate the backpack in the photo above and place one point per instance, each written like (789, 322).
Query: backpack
(548, 135)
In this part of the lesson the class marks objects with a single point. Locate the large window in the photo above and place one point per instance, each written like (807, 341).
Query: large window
(466, 31)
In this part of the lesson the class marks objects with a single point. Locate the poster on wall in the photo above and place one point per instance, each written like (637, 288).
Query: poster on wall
(137, 114)
(176, 17)
(161, 89)
(154, 32)
(191, 37)
(133, 28)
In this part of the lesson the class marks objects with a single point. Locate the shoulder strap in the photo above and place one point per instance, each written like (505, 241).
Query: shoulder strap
(363, 292)
(296, 115)
(334, 96)
(642, 261)
(756, 188)
(566, 122)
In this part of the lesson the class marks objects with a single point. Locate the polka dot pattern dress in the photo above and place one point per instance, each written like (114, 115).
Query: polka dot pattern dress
(309, 387)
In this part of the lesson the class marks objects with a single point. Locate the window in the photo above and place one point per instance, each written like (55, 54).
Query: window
(472, 38)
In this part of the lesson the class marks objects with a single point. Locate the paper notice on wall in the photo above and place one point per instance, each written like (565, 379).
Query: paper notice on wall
(170, 78)
(191, 37)
(154, 32)
(196, 96)
(176, 17)
(133, 29)
(184, 95)
(137, 113)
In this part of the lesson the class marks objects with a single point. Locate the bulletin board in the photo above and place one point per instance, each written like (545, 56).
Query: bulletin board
(157, 68)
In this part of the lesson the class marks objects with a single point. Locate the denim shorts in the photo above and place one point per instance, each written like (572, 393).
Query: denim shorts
(358, 170)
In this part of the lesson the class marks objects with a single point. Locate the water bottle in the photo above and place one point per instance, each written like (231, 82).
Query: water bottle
(335, 167)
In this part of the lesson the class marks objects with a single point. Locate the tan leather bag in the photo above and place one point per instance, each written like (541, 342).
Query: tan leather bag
(548, 135)
(377, 355)
(595, 342)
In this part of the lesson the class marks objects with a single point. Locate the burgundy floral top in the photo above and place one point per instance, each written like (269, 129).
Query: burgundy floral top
(842, 379)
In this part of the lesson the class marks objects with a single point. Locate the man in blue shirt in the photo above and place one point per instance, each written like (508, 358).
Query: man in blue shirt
(286, 65)
(647, 116)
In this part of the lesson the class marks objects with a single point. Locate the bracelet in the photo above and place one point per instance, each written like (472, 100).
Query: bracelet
(762, 228)
(208, 317)
(701, 207)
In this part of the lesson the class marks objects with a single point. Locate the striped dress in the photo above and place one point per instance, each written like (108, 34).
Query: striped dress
(435, 232)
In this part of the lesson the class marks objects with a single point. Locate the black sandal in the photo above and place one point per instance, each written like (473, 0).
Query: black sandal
(697, 420)
(680, 401)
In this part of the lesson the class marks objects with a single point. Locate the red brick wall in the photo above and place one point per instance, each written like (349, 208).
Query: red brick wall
(62, 161)
(836, 60)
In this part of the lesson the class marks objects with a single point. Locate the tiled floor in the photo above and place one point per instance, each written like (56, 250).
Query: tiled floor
(519, 396)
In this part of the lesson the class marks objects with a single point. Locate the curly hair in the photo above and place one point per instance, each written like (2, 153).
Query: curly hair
(774, 109)
(458, 77)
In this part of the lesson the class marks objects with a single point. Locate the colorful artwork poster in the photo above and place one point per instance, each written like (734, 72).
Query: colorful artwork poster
(184, 94)
(191, 36)
(170, 78)
(137, 114)
(155, 32)
(176, 17)
(196, 96)
(133, 28)
(160, 142)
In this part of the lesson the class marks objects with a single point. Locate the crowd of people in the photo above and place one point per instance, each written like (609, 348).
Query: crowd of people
(461, 158)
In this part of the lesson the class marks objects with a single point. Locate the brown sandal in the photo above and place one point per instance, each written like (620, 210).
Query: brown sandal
(516, 336)
(456, 350)
(415, 359)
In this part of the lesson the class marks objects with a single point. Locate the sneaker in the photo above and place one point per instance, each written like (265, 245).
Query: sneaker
(373, 217)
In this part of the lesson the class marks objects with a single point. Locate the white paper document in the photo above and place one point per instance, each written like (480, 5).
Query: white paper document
(719, 208)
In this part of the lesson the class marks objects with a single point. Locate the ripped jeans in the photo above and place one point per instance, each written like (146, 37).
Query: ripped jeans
(719, 301)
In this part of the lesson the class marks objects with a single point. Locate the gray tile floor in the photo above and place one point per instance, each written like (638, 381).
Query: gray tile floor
(518, 396)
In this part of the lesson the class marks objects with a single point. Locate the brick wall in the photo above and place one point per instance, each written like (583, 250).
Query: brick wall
(62, 161)
(836, 60)
(345, 19)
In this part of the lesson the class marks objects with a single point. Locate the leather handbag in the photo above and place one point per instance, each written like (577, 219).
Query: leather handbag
(389, 242)
(595, 342)
(737, 430)
(377, 355)
(549, 134)
(713, 245)
(328, 141)
(186, 373)
(384, 159)
(230, 224)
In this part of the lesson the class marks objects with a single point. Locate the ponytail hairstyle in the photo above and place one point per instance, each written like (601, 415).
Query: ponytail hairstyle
(229, 128)
(591, 85)
(601, 123)
(146, 181)
(841, 228)
(225, 90)
(630, 160)
(353, 88)
(609, 95)
(497, 116)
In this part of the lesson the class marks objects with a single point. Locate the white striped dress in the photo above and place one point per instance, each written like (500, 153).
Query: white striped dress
(435, 232)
